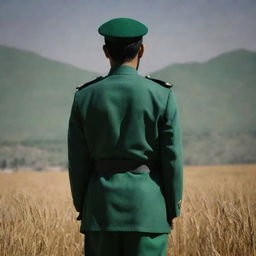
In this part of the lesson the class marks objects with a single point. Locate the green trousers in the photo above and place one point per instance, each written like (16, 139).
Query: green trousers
(110, 243)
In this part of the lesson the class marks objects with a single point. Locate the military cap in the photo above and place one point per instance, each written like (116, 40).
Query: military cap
(123, 29)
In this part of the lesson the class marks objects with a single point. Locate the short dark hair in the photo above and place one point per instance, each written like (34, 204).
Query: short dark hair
(123, 51)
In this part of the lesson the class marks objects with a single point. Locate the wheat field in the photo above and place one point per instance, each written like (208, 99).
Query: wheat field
(218, 214)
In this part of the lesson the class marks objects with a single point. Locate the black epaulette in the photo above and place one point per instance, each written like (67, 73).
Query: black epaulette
(163, 83)
(88, 83)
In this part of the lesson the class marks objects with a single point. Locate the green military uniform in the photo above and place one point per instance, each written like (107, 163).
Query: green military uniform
(130, 117)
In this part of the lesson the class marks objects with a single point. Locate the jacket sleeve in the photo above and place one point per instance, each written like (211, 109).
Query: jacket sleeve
(79, 163)
(171, 155)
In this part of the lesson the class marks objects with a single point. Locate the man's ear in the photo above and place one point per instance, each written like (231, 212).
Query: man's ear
(105, 49)
(141, 51)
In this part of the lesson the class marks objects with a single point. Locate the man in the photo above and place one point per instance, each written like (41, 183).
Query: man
(125, 152)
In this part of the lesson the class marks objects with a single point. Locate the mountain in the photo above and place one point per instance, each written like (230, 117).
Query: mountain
(36, 95)
(217, 105)
(35, 102)
(218, 95)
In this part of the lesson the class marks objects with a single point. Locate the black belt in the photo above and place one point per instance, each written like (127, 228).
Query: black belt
(120, 165)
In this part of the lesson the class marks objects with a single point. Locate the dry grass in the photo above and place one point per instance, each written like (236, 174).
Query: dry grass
(218, 214)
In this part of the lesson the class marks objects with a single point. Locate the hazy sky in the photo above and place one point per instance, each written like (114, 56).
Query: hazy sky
(179, 30)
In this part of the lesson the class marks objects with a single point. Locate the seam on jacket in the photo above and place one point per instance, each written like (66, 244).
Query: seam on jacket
(165, 110)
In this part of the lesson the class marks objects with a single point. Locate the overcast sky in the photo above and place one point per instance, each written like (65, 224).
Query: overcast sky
(179, 30)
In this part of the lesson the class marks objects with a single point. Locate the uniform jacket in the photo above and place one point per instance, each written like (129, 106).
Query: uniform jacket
(125, 116)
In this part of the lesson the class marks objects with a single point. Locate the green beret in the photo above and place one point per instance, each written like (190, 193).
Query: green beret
(123, 29)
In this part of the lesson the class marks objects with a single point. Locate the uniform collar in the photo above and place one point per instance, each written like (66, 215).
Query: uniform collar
(123, 70)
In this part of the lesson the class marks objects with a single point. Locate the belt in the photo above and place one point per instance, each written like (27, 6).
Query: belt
(120, 165)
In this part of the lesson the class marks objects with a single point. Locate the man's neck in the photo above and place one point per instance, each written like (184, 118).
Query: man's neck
(133, 63)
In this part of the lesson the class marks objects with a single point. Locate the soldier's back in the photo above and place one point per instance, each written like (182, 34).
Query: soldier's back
(121, 113)
(120, 117)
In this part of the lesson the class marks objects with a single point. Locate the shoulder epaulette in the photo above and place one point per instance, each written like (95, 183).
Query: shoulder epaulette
(163, 83)
(88, 83)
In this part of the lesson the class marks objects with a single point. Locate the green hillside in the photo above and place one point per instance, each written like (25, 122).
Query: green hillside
(36, 95)
(217, 105)
(35, 101)
(218, 95)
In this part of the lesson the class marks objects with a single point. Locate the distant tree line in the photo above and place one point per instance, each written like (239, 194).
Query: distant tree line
(15, 163)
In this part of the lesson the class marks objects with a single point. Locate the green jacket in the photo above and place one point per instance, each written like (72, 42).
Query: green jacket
(125, 116)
